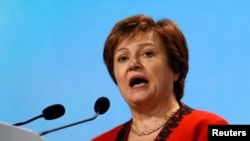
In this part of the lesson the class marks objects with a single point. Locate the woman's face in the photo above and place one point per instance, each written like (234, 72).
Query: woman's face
(141, 70)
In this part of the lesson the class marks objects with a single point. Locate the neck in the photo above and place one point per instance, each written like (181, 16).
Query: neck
(144, 119)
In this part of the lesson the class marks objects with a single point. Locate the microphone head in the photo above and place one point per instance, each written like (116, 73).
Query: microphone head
(102, 105)
(53, 111)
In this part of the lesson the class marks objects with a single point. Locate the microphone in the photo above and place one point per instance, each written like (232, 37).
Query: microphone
(101, 106)
(49, 113)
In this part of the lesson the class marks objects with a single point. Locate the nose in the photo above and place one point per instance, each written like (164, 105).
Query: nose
(135, 64)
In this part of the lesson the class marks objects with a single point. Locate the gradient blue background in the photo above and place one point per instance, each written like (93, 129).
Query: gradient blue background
(51, 52)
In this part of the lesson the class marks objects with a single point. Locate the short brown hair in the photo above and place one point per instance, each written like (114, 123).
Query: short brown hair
(171, 36)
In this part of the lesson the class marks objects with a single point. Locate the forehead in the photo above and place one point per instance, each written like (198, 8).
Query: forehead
(140, 38)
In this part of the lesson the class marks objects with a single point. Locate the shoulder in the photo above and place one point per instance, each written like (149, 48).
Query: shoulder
(192, 124)
(109, 135)
(195, 118)
(197, 115)
(207, 117)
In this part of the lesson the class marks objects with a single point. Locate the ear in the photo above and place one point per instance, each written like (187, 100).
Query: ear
(176, 76)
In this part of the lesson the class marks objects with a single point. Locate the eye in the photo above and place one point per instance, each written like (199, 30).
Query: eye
(147, 53)
(122, 58)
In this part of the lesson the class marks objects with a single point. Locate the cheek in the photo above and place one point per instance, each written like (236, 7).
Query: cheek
(118, 73)
(162, 74)
(120, 77)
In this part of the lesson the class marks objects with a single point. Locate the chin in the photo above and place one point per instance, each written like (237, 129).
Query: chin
(140, 99)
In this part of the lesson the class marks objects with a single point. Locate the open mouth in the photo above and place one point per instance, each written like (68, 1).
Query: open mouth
(137, 81)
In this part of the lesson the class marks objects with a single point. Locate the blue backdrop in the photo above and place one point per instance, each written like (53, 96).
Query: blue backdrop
(51, 52)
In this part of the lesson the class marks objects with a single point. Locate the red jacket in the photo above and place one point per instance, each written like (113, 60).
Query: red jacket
(186, 124)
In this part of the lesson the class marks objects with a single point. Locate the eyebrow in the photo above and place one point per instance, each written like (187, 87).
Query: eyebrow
(139, 45)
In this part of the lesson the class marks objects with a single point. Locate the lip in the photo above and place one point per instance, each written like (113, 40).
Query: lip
(135, 76)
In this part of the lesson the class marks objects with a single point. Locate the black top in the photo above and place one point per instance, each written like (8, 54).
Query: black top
(166, 130)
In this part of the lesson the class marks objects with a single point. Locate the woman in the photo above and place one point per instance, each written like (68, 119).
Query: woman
(148, 61)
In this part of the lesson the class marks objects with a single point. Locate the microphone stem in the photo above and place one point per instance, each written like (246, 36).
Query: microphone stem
(55, 129)
(25, 122)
